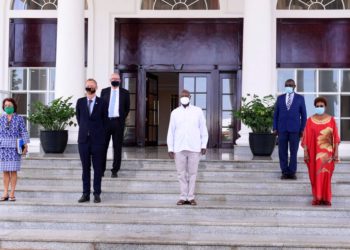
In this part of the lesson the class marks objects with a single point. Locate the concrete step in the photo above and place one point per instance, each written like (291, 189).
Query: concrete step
(122, 239)
(203, 223)
(277, 186)
(219, 209)
(170, 165)
(241, 205)
(72, 195)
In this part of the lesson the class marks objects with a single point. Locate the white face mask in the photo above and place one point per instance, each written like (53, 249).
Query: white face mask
(185, 100)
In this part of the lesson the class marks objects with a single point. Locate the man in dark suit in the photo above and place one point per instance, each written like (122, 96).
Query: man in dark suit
(118, 101)
(288, 123)
(91, 113)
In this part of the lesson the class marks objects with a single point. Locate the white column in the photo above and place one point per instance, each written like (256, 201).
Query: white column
(3, 37)
(257, 53)
(70, 68)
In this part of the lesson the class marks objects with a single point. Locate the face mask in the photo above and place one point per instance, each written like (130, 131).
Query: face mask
(115, 83)
(320, 110)
(90, 90)
(289, 90)
(9, 110)
(185, 100)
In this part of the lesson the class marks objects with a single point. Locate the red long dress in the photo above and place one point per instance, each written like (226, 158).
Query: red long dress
(320, 138)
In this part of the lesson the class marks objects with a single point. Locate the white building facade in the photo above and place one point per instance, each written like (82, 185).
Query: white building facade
(68, 41)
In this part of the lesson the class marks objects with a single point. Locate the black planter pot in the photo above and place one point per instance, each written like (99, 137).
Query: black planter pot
(262, 144)
(54, 141)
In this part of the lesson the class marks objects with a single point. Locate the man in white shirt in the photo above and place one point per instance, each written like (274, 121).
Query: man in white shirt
(187, 140)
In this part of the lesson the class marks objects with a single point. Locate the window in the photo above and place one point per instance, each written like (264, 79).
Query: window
(313, 4)
(228, 105)
(334, 84)
(180, 5)
(197, 86)
(130, 83)
(36, 4)
(29, 85)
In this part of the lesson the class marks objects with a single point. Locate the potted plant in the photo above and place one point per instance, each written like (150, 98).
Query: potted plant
(257, 114)
(54, 118)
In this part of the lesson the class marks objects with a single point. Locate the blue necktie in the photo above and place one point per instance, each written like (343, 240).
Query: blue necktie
(112, 104)
(89, 106)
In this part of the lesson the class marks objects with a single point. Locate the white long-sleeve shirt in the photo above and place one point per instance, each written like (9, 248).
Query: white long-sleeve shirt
(187, 130)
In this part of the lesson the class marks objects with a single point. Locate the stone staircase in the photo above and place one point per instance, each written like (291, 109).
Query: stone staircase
(242, 205)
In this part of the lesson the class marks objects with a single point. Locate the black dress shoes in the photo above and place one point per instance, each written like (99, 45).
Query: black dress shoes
(97, 198)
(293, 177)
(84, 198)
(284, 177)
(288, 177)
(114, 175)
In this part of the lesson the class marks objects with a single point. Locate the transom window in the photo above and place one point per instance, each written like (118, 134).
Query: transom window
(180, 4)
(333, 84)
(313, 4)
(36, 4)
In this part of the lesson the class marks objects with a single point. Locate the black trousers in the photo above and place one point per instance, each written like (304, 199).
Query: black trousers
(115, 128)
(91, 152)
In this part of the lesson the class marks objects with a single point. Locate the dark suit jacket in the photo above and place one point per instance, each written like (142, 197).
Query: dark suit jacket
(292, 120)
(94, 125)
(124, 101)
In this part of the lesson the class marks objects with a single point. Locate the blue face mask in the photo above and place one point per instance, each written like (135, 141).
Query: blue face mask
(289, 90)
(319, 110)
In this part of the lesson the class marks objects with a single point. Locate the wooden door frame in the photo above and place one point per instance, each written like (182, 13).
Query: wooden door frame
(213, 93)
(154, 77)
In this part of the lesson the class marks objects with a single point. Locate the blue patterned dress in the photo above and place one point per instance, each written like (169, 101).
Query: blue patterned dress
(10, 160)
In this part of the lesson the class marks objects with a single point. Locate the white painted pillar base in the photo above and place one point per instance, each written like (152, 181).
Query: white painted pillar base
(70, 68)
(257, 53)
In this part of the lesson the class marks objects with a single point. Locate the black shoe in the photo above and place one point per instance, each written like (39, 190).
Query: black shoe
(284, 177)
(293, 177)
(84, 198)
(97, 198)
(114, 175)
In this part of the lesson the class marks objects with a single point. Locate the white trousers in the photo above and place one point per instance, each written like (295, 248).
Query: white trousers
(187, 166)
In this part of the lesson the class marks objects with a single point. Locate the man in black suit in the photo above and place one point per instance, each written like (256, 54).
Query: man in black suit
(118, 101)
(91, 113)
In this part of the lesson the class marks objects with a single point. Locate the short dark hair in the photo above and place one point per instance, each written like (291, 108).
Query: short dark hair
(92, 80)
(290, 81)
(9, 100)
(320, 99)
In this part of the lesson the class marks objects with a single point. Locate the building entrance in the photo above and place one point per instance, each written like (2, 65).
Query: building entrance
(201, 55)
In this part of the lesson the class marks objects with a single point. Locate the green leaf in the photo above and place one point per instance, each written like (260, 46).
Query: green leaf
(55, 116)
(257, 113)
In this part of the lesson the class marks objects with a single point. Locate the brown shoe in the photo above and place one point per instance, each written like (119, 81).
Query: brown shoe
(193, 202)
(181, 202)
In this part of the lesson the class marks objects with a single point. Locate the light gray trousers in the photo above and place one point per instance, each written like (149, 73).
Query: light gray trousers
(187, 166)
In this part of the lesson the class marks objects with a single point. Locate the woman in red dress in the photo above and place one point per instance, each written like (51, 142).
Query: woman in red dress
(320, 143)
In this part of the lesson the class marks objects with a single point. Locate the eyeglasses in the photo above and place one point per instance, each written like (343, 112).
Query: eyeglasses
(320, 106)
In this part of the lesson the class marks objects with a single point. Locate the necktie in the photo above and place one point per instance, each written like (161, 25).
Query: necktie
(89, 106)
(289, 101)
(112, 104)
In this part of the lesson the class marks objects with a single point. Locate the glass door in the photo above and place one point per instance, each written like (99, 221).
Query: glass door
(152, 107)
(129, 82)
(196, 84)
(229, 104)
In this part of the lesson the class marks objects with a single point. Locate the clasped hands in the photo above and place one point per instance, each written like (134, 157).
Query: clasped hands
(172, 154)
(307, 157)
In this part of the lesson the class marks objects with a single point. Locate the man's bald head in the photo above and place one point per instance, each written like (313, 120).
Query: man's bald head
(185, 93)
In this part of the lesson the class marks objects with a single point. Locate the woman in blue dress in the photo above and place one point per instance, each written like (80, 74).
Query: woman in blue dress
(12, 127)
